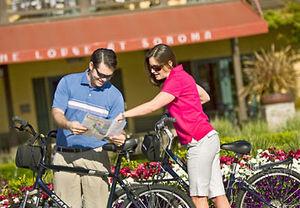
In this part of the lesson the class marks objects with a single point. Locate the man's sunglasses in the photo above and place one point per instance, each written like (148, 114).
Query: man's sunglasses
(103, 76)
(156, 68)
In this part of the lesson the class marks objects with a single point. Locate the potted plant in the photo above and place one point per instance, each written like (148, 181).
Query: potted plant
(271, 80)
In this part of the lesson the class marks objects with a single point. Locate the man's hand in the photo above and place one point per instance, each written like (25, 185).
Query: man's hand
(118, 140)
(120, 117)
(75, 127)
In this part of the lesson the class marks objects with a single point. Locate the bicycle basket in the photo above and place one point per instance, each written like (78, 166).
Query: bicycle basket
(151, 147)
(28, 156)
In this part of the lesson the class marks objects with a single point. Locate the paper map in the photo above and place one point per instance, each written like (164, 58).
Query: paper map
(100, 127)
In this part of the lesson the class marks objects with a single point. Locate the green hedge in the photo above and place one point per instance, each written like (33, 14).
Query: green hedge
(257, 133)
(13, 178)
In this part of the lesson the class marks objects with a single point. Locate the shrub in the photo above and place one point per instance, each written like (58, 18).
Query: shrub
(256, 127)
(225, 128)
(287, 140)
(12, 179)
(292, 124)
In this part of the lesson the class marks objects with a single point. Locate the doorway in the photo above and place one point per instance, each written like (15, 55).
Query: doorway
(216, 76)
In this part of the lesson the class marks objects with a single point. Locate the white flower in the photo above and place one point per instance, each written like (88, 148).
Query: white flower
(259, 151)
(16, 200)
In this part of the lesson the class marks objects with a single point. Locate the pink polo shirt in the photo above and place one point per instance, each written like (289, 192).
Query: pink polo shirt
(191, 121)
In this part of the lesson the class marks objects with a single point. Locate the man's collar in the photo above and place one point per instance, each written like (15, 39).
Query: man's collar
(84, 79)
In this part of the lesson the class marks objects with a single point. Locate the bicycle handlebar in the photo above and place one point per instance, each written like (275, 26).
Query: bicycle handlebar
(22, 122)
(23, 125)
(162, 122)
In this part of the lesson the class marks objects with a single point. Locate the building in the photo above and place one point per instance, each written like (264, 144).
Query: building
(42, 40)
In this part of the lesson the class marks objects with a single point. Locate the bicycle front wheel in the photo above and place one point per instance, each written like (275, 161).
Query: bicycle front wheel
(120, 196)
(19, 205)
(278, 187)
(161, 196)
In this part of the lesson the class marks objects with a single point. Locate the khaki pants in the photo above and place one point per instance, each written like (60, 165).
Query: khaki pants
(81, 190)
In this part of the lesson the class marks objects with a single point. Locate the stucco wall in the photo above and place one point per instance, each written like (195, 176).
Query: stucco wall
(137, 88)
(3, 107)
(21, 76)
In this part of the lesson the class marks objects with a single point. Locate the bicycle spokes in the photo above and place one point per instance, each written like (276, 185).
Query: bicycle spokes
(277, 190)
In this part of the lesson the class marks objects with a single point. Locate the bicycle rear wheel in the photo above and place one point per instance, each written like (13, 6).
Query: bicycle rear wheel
(161, 196)
(279, 187)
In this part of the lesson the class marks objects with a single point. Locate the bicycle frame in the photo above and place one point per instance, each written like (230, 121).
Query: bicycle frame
(39, 185)
(170, 155)
(165, 165)
(241, 183)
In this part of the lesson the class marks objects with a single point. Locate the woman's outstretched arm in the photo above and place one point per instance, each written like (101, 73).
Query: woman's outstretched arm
(159, 101)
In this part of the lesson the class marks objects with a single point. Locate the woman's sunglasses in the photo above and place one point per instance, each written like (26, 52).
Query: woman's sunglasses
(156, 68)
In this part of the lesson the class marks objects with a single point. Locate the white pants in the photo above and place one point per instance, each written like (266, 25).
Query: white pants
(205, 176)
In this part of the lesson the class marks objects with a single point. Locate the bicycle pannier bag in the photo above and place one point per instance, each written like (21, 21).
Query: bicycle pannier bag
(28, 156)
(151, 147)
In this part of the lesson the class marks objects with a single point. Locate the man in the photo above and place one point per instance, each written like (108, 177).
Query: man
(76, 95)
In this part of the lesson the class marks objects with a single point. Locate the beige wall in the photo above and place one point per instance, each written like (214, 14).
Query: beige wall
(21, 76)
(136, 85)
(137, 88)
(3, 106)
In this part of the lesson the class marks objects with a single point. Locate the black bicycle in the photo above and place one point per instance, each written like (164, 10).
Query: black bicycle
(32, 155)
(271, 186)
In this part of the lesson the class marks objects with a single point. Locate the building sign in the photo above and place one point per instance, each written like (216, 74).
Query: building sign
(118, 46)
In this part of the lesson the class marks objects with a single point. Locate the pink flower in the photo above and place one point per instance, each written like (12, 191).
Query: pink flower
(2, 197)
(227, 160)
(295, 154)
(125, 171)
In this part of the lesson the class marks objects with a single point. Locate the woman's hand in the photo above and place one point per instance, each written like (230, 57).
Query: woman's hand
(118, 140)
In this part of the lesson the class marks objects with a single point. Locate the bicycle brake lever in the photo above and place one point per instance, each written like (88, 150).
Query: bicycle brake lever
(22, 122)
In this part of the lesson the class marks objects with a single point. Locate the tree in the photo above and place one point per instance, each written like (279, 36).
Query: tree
(288, 16)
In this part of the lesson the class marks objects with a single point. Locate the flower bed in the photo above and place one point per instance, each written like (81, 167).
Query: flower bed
(248, 164)
(147, 170)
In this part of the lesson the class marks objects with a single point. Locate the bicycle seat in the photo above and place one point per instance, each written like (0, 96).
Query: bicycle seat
(128, 146)
(240, 147)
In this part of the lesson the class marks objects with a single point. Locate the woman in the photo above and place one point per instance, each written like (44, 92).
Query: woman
(183, 98)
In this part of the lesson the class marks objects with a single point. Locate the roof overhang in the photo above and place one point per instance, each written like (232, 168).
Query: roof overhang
(131, 31)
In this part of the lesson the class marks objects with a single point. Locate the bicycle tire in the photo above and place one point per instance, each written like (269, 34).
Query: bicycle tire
(18, 205)
(161, 196)
(120, 195)
(29, 205)
(280, 187)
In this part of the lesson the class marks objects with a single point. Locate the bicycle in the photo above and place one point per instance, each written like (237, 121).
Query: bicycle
(271, 185)
(150, 196)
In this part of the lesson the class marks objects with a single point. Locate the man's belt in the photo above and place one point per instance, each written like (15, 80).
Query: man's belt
(73, 150)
